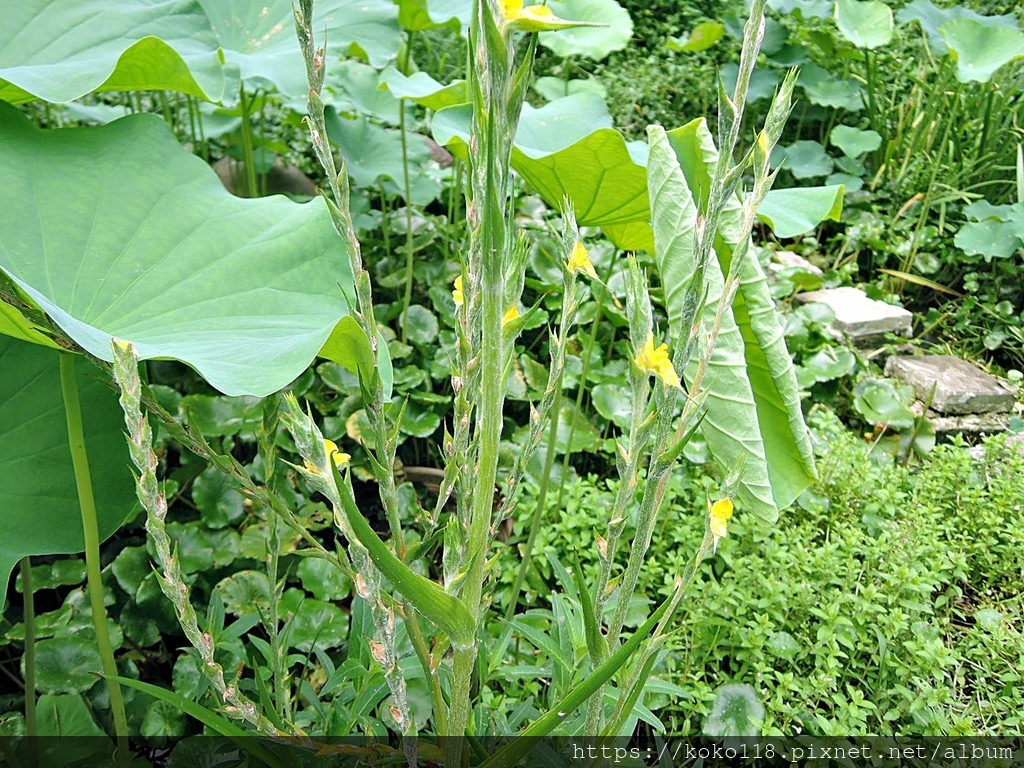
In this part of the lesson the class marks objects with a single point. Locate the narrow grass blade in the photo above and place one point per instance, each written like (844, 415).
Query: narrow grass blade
(246, 740)
(542, 726)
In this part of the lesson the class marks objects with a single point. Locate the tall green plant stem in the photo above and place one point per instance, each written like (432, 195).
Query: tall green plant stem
(409, 250)
(90, 528)
(29, 658)
(247, 149)
(490, 56)
(538, 512)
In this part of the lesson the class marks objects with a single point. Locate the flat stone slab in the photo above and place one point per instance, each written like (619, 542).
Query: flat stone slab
(787, 259)
(971, 424)
(960, 388)
(864, 321)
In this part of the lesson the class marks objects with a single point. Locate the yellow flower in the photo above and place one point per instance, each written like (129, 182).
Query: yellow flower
(720, 513)
(579, 261)
(513, 11)
(656, 361)
(511, 315)
(332, 451)
(457, 293)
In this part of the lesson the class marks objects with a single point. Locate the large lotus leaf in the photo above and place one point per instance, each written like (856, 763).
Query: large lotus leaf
(979, 49)
(820, 9)
(118, 231)
(792, 212)
(60, 50)
(865, 23)
(259, 37)
(568, 148)
(591, 42)
(931, 18)
(425, 90)
(416, 15)
(827, 90)
(753, 403)
(39, 513)
(358, 89)
(854, 142)
(373, 152)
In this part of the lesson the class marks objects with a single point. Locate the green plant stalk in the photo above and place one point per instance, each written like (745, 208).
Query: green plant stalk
(29, 659)
(647, 657)
(266, 441)
(419, 645)
(90, 529)
(153, 500)
(8, 752)
(407, 297)
(247, 151)
(542, 726)
(538, 512)
(654, 492)
(489, 82)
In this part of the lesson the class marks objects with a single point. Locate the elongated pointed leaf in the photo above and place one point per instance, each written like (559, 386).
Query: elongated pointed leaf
(546, 723)
(13, 323)
(428, 597)
(118, 231)
(39, 512)
(753, 406)
(60, 50)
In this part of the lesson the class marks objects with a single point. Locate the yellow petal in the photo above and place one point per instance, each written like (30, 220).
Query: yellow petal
(511, 315)
(511, 8)
(457, 293)
(333, 452)
(579, 261)
(720, 512)
(722, 508)
(536, 18)
(656, 360)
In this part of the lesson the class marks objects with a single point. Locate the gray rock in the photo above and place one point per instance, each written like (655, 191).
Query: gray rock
(960, 388)
(862, 320)
(786, 259)
(970, 425)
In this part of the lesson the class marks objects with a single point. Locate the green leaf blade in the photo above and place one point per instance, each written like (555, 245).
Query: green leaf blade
(753, 405)
(244, 291)
(107, 46)
(39, 513)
